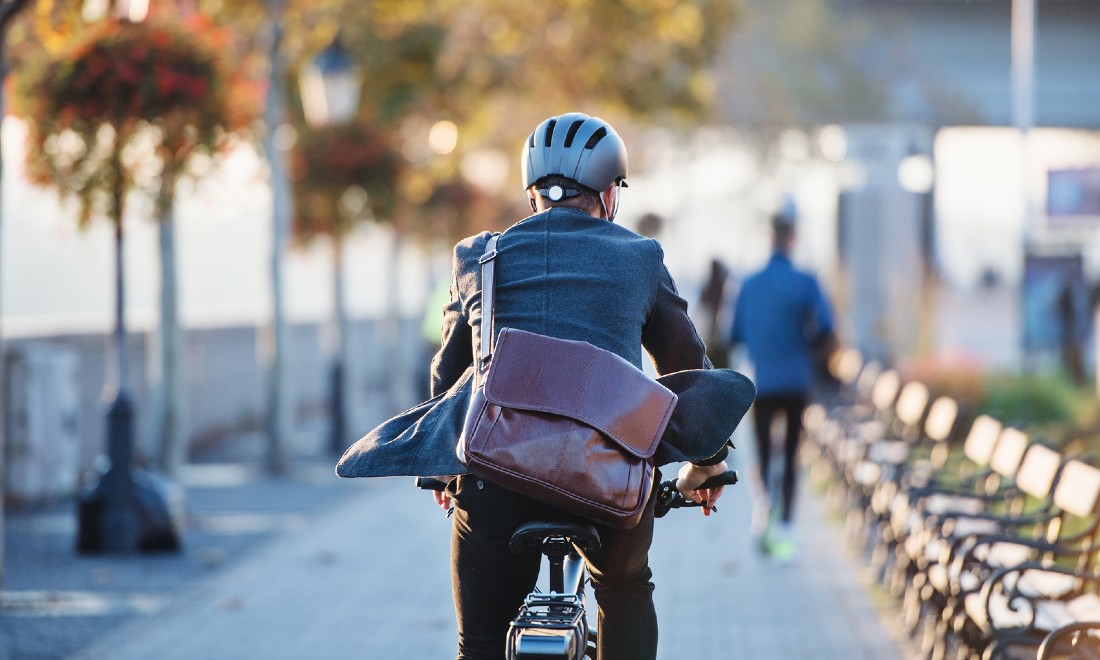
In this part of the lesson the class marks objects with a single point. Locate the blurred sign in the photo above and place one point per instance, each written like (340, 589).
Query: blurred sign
(1073, 197)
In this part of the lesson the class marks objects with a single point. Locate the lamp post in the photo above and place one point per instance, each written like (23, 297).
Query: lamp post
(917, 176)
(125, 512)
(330, 86)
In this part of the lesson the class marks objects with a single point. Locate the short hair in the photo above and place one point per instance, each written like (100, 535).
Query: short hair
(783, 225)
(587, 200)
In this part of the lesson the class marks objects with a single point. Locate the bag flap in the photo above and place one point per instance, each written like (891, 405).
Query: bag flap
(578, 380)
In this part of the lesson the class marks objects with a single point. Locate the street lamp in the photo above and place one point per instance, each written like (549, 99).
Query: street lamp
(125, 511)
(330, 85)
(916, 173)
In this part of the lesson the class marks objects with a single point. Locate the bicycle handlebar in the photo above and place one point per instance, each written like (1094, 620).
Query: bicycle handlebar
(430, 483)
(668, 497)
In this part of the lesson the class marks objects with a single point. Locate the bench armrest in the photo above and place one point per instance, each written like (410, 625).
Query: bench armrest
(1054, 638)
(1005, 582)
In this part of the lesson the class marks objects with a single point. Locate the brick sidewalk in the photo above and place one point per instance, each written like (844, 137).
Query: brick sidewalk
(369, 579)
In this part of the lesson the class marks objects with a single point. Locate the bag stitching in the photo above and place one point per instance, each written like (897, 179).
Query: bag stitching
(561, 454)
(584, 389)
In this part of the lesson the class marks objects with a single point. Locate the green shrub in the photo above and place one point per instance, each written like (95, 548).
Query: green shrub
(1043, 401)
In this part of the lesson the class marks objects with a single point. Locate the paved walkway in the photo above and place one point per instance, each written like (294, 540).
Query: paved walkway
(369, 579)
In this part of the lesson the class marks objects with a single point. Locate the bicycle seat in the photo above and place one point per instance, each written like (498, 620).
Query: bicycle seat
(531, 534)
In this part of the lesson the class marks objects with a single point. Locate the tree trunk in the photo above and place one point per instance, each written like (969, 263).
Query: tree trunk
(275, 352)
(7, 12)
(122, 363)
(169, 415)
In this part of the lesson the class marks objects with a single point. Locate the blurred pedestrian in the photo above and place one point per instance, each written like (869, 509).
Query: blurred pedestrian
(1072, 318)
(781, 316)
(714, 302)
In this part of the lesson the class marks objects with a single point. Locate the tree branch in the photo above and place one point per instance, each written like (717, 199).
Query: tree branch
(9, 9)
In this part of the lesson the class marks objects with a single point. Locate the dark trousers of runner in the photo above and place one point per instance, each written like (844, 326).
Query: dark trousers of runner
(765, 409)
(490, 581)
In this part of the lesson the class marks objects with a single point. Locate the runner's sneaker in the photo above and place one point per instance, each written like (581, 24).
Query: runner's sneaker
(764, 543)
(762, 523)
(781, 546)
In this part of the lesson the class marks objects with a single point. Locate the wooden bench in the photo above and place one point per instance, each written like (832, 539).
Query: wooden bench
(840, 435)
(945, 566)
(854, 428)
(904, 464)
(845, 366)
(937, 519)
(937, 493)
(877, 455)
(1034, 583)
(855, 378)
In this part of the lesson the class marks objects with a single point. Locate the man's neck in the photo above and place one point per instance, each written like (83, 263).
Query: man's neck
(595, 214)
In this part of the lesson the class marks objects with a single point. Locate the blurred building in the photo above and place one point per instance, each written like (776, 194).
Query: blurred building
(947, 170)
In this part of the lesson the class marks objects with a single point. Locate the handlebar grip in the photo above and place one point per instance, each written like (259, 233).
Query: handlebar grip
(727, 478)
(668, 497)
(428, 483)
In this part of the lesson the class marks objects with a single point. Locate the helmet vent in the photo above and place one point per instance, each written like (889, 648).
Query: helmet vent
(596, 137)
(573, 128)
(550, 132)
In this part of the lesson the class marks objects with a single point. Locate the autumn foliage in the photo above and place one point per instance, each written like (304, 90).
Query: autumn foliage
(342, 174)
(127, 105)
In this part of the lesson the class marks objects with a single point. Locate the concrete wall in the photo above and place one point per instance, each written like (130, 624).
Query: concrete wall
(55, 408)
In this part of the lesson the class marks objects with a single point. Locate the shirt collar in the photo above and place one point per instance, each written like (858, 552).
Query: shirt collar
(559, 211)
(779, 257)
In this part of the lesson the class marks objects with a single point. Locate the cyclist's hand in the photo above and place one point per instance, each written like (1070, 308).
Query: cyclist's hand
(442, 499)
(689, 478)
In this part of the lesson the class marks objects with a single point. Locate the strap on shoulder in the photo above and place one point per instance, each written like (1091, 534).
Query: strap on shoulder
(488, 284)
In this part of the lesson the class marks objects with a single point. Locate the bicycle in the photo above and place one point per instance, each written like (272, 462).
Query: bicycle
(553, 625)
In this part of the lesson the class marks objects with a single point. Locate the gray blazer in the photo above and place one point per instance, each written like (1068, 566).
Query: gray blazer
(565, 274)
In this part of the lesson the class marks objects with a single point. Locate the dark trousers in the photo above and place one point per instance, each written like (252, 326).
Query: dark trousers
(490, 582)
(765, 408)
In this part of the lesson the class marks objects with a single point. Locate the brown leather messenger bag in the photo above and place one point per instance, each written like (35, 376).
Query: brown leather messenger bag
(562, 421)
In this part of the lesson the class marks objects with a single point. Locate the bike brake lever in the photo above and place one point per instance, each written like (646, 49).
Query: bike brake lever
(689, 503)
(669, 499)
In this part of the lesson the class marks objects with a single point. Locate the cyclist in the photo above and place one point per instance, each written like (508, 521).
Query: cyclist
(568, 271)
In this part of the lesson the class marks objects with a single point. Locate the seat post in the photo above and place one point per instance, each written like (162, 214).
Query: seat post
(556, 548)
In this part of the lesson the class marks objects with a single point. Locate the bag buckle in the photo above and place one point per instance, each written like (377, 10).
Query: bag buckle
(488, 256)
